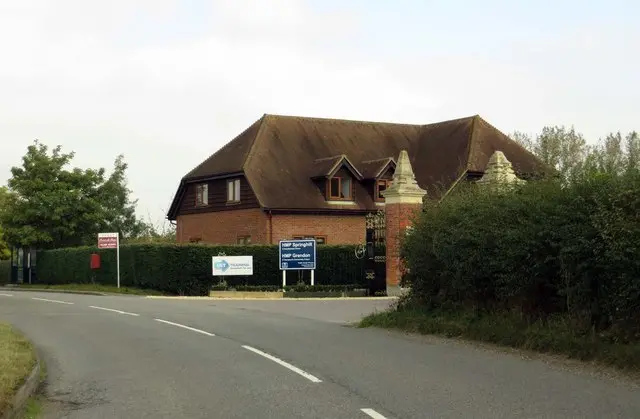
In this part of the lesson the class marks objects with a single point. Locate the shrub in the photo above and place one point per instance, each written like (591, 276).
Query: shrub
(540, 250)
(186, 269)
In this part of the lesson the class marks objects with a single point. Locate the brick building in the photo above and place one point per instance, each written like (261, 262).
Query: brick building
(290, 177)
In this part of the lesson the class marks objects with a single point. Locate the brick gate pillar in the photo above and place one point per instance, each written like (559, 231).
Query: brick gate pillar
(402, 200)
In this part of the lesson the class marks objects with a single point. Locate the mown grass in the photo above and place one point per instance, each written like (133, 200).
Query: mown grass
(554, 336)
(17, 359)
(93, 288)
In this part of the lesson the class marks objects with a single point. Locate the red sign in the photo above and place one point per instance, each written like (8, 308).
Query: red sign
(107, 240)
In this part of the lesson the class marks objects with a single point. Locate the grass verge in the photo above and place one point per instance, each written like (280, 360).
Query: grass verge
(33, 409)
(554, 336)
(93, 288)
(17, 359)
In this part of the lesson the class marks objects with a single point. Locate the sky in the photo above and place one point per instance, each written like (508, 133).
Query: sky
(168, 82)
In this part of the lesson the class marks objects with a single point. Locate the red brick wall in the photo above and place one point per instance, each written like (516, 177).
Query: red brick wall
(223, 227)
(398, 218)
(342, 229)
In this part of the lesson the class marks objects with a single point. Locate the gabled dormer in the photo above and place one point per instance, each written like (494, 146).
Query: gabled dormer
(377, 175)
(336, 177)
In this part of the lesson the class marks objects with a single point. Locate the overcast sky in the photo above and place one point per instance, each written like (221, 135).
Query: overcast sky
(168, 82)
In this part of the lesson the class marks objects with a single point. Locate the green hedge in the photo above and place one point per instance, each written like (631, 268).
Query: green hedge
(541, 250)
(186, 269)
(5, 271)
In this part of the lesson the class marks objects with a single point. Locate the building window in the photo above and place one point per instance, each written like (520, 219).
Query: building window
(202, 194)
(381, 186)
(244, 240)
(340, 188)
(319, 239)
(233, 190)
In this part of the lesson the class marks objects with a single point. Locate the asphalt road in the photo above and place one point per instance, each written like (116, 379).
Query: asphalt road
(157, 358)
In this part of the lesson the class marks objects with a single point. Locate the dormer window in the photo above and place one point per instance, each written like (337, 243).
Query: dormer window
(202, 195)
(336, 177)
(340, 188)
(381, 186)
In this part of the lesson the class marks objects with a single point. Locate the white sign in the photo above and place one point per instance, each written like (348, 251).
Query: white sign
(107, 240)
(111, 241)
(232, 265)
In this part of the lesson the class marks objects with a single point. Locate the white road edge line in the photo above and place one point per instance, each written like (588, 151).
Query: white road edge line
(115, 311)
(184, 327)
(51, 301)
(372, 413)
(6, 295)
(284, 364)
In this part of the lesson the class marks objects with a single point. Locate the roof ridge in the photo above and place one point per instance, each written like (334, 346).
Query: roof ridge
(351, 121)
(358, 121)
(377, 160)
(472, 139)
(508, 137)
(253, 142)
(329, 158)
(249, 155)
(222, 148)
(448, 121)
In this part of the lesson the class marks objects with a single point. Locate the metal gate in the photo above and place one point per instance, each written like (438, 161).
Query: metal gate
(376, 252)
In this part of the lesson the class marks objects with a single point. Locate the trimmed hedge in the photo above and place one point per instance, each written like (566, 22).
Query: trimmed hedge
(186, 269)
(540, 251)
(5, 271)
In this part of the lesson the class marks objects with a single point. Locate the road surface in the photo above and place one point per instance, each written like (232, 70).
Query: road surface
(133, 357)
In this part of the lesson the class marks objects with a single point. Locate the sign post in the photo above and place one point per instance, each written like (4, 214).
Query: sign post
(111, 241)
(297, 255)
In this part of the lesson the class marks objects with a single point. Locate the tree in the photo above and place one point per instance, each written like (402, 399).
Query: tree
(560, 147)
(5, 253)
(49, 205)
(120, 210)
(567, 151)
(632, 143)
(165, 233)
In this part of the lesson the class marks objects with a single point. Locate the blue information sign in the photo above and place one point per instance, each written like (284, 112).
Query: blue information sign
(297, 254)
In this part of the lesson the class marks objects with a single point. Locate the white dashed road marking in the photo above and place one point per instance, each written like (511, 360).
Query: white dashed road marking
(51, 301)
(6, 295)
(115, 311)
(284, 364)
(184, 327)
(372, 413)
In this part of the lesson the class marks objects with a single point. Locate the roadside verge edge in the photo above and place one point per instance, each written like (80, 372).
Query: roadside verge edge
(26, 390)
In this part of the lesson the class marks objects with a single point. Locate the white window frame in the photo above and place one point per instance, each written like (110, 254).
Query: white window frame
(233, 190)
(202, 191)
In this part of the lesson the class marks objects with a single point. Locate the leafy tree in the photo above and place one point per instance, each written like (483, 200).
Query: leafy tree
(49, 205)
(5, 253)
(616, 154)
(562, 148)
(567, 151)
(156, 234)
(120, 210)
(632, 142)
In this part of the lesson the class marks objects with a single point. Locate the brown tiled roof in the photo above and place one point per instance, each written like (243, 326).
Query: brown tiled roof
(230, 158)
(326, 167)
(372, 169)
(279, 155)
